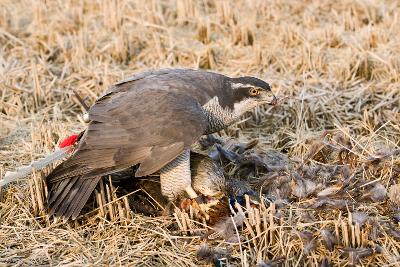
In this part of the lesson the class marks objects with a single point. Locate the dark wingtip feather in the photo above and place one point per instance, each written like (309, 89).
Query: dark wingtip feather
(68, 197)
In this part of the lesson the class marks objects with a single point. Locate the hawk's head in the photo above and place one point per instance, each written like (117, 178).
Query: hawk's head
(249, 92)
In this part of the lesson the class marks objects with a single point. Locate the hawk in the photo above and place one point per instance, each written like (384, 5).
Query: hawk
(151, 119)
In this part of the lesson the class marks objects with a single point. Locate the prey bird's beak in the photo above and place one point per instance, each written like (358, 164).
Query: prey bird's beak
(274, 101)
(270, 98)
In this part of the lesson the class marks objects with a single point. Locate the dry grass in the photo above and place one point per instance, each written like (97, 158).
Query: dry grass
(337, 62)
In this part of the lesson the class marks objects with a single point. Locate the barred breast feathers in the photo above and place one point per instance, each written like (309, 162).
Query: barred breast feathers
(220, 117)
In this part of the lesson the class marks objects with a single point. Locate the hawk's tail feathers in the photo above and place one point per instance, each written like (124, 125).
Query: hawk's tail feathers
(67, 197)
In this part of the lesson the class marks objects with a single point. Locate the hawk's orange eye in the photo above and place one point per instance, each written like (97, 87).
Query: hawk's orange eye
(253, 92)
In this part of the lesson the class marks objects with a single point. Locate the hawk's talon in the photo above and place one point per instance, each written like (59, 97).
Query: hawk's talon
(201, 208)
(204, 208)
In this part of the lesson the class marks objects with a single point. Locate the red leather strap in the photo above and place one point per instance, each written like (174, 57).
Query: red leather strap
(69, 141)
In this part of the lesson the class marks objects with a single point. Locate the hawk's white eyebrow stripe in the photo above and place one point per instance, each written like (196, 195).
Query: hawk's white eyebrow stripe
(240, 85)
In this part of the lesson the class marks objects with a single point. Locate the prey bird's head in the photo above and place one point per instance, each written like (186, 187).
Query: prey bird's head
(249, 92)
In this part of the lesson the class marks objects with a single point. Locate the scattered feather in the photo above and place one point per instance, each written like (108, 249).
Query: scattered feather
(394, 194)
(309, 243)
(252, 160)
(359, 217)
(280, 261)
(212, 255)
(240, 148)
(332, 190)
(327, 202)
(393, 231)
(226, 229)
(377, 193)
(325, 262)
(354, 255)
(383, 155)
(302, 188)
(396, 217)
(328, 239)
(276, 160)
(226, 154)
(307, 217)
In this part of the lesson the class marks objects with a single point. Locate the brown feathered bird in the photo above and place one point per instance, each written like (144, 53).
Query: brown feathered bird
(152, 119)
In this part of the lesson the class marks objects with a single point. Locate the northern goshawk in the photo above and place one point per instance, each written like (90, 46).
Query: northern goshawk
(152, 119)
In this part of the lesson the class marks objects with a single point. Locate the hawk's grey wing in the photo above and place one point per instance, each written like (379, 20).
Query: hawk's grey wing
(135, 77)
(149, 127)
(145, 74)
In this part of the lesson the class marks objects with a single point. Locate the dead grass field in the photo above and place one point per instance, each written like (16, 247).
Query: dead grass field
(337, 62)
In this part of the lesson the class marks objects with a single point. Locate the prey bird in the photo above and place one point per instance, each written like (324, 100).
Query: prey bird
(151, 119)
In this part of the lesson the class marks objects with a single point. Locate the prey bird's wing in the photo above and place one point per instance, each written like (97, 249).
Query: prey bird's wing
(150, 127)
